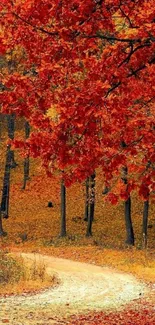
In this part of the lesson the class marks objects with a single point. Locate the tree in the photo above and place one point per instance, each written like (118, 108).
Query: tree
(26, 160)
(145, 222)
(10, 163)
(86, 212)
(63, 209)
(1, 226)
(127, 212)
(6, 185)
(11, 132)
(94, 62)
(91, 205)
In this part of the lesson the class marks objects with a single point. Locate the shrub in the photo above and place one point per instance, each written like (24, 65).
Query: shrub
(10, 269)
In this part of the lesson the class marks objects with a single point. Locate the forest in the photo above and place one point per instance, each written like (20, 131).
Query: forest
(77, 151)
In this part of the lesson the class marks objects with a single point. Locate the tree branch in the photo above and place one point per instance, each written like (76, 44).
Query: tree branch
(41, 29)
(113, 38)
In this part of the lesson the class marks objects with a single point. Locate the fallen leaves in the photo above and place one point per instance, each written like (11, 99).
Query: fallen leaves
(144, 315)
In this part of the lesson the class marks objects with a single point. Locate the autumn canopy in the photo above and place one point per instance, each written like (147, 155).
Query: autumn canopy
(82, 73)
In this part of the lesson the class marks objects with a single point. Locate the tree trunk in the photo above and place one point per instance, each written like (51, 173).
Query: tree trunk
(11, 132)
(145, 222)
(26, 172)
(86, 200)
(63, 210)
(6, 184)
(128, 220)
(26, 160)
(1, 226)
(27, 129)
(11, 125)
(92, 205)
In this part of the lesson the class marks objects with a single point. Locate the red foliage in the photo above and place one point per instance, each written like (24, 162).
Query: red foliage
(93, 61)
(144, 316)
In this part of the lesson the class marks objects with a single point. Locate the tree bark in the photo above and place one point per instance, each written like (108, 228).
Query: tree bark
(11, 125)
(26, 160)
(128, 220)
(145, 222)
(27, 129)
(1, 226)
(6, 184)
(11, 133)
(26, 172)
(92, 205)
(86, 200)
(63, 210)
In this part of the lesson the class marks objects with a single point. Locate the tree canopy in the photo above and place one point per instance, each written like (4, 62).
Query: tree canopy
(90, 63)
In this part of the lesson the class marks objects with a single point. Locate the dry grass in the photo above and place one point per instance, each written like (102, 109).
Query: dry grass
(17, 277)
(10, 270)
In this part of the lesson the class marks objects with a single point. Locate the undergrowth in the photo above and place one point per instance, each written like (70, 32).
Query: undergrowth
(10, 269)
(17, 276)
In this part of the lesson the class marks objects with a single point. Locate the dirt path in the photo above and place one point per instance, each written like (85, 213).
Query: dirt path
(82, 287)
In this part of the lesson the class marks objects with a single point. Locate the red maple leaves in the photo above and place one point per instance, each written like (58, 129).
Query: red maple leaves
(93, 63)
(144, 315)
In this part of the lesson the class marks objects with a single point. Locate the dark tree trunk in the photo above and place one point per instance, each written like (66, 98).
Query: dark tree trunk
(63, 210)
(27, 129)
(26, 160)
(1, 226)
(128, 220)
(26, 172)
(11, 133)
(92, 205)
(6, 184)
(11, 125)
(86, 200)
(145, 222)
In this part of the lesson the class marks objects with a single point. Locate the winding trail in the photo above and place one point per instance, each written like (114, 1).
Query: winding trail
(82, 287)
